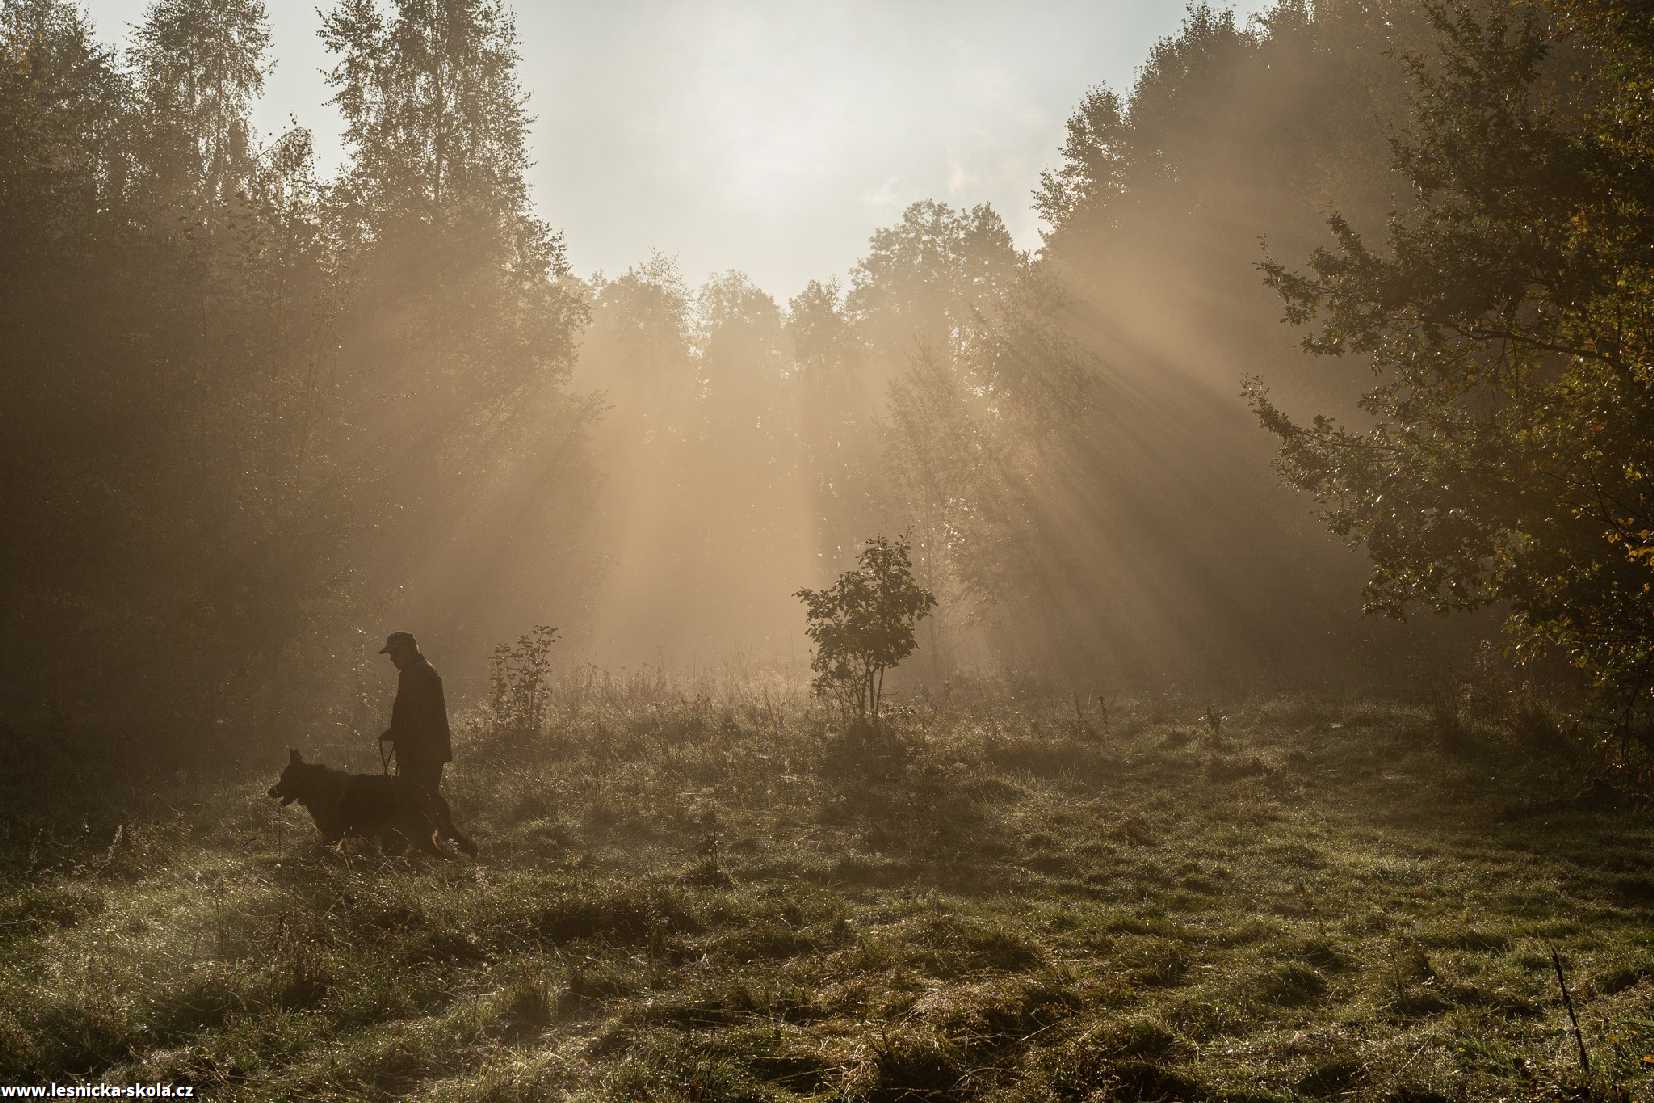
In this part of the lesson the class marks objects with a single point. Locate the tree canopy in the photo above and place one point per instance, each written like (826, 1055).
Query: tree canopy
(255, 410)
(1505, 455)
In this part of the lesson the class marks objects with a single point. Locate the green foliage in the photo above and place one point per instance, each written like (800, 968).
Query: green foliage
(519, 677)
(1094, 159)
(435, 114)
(457, 316)
(169, 307)
(863, 624)
(1506, 456)
(247, 407)
(1056, 455)
(933, 279)
(200, 66)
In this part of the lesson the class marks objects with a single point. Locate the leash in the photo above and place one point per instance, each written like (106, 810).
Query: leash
(387, 755)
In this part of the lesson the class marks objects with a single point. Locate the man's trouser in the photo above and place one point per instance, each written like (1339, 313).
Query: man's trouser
(424, 776)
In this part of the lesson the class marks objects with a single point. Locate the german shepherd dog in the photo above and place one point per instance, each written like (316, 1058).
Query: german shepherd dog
(365, 804)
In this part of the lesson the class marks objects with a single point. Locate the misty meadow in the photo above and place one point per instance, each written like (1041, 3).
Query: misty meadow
(1204, 653)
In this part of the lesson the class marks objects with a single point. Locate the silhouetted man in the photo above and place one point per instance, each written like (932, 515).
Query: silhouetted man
(419, 730)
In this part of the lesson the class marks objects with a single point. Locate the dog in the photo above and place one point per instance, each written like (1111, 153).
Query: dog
(366, 804)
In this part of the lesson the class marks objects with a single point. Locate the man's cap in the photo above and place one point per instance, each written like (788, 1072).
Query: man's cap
(395, 640)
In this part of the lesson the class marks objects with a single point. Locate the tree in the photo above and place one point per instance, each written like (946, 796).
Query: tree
(1148, 536)
(1509, 458)
(920, 303)
(435, 115)
(200, 67)
(863, 624)
(160, 302)
(981, 448)
(839, 429)
(459, 324)
(1095, 159)
(247, 412)
(457, 280)
(637, 347)
(926, 282)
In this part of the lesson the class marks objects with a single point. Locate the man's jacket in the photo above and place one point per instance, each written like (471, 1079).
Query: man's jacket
(419, 718)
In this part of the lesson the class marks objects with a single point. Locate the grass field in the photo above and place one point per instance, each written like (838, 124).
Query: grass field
(722, 897)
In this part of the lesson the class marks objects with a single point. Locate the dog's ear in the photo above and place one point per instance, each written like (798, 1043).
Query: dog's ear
(293, 756)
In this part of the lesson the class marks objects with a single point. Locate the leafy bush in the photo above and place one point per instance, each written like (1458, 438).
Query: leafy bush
(518, 677)
(863, 625)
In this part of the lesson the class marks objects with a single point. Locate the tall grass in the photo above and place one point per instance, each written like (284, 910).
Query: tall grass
(709, 888)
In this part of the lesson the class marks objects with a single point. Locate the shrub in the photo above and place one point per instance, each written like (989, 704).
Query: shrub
(517, 681)
(863, 625)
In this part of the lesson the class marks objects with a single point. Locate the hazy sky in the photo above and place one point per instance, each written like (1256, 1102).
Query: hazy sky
(772, 136)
